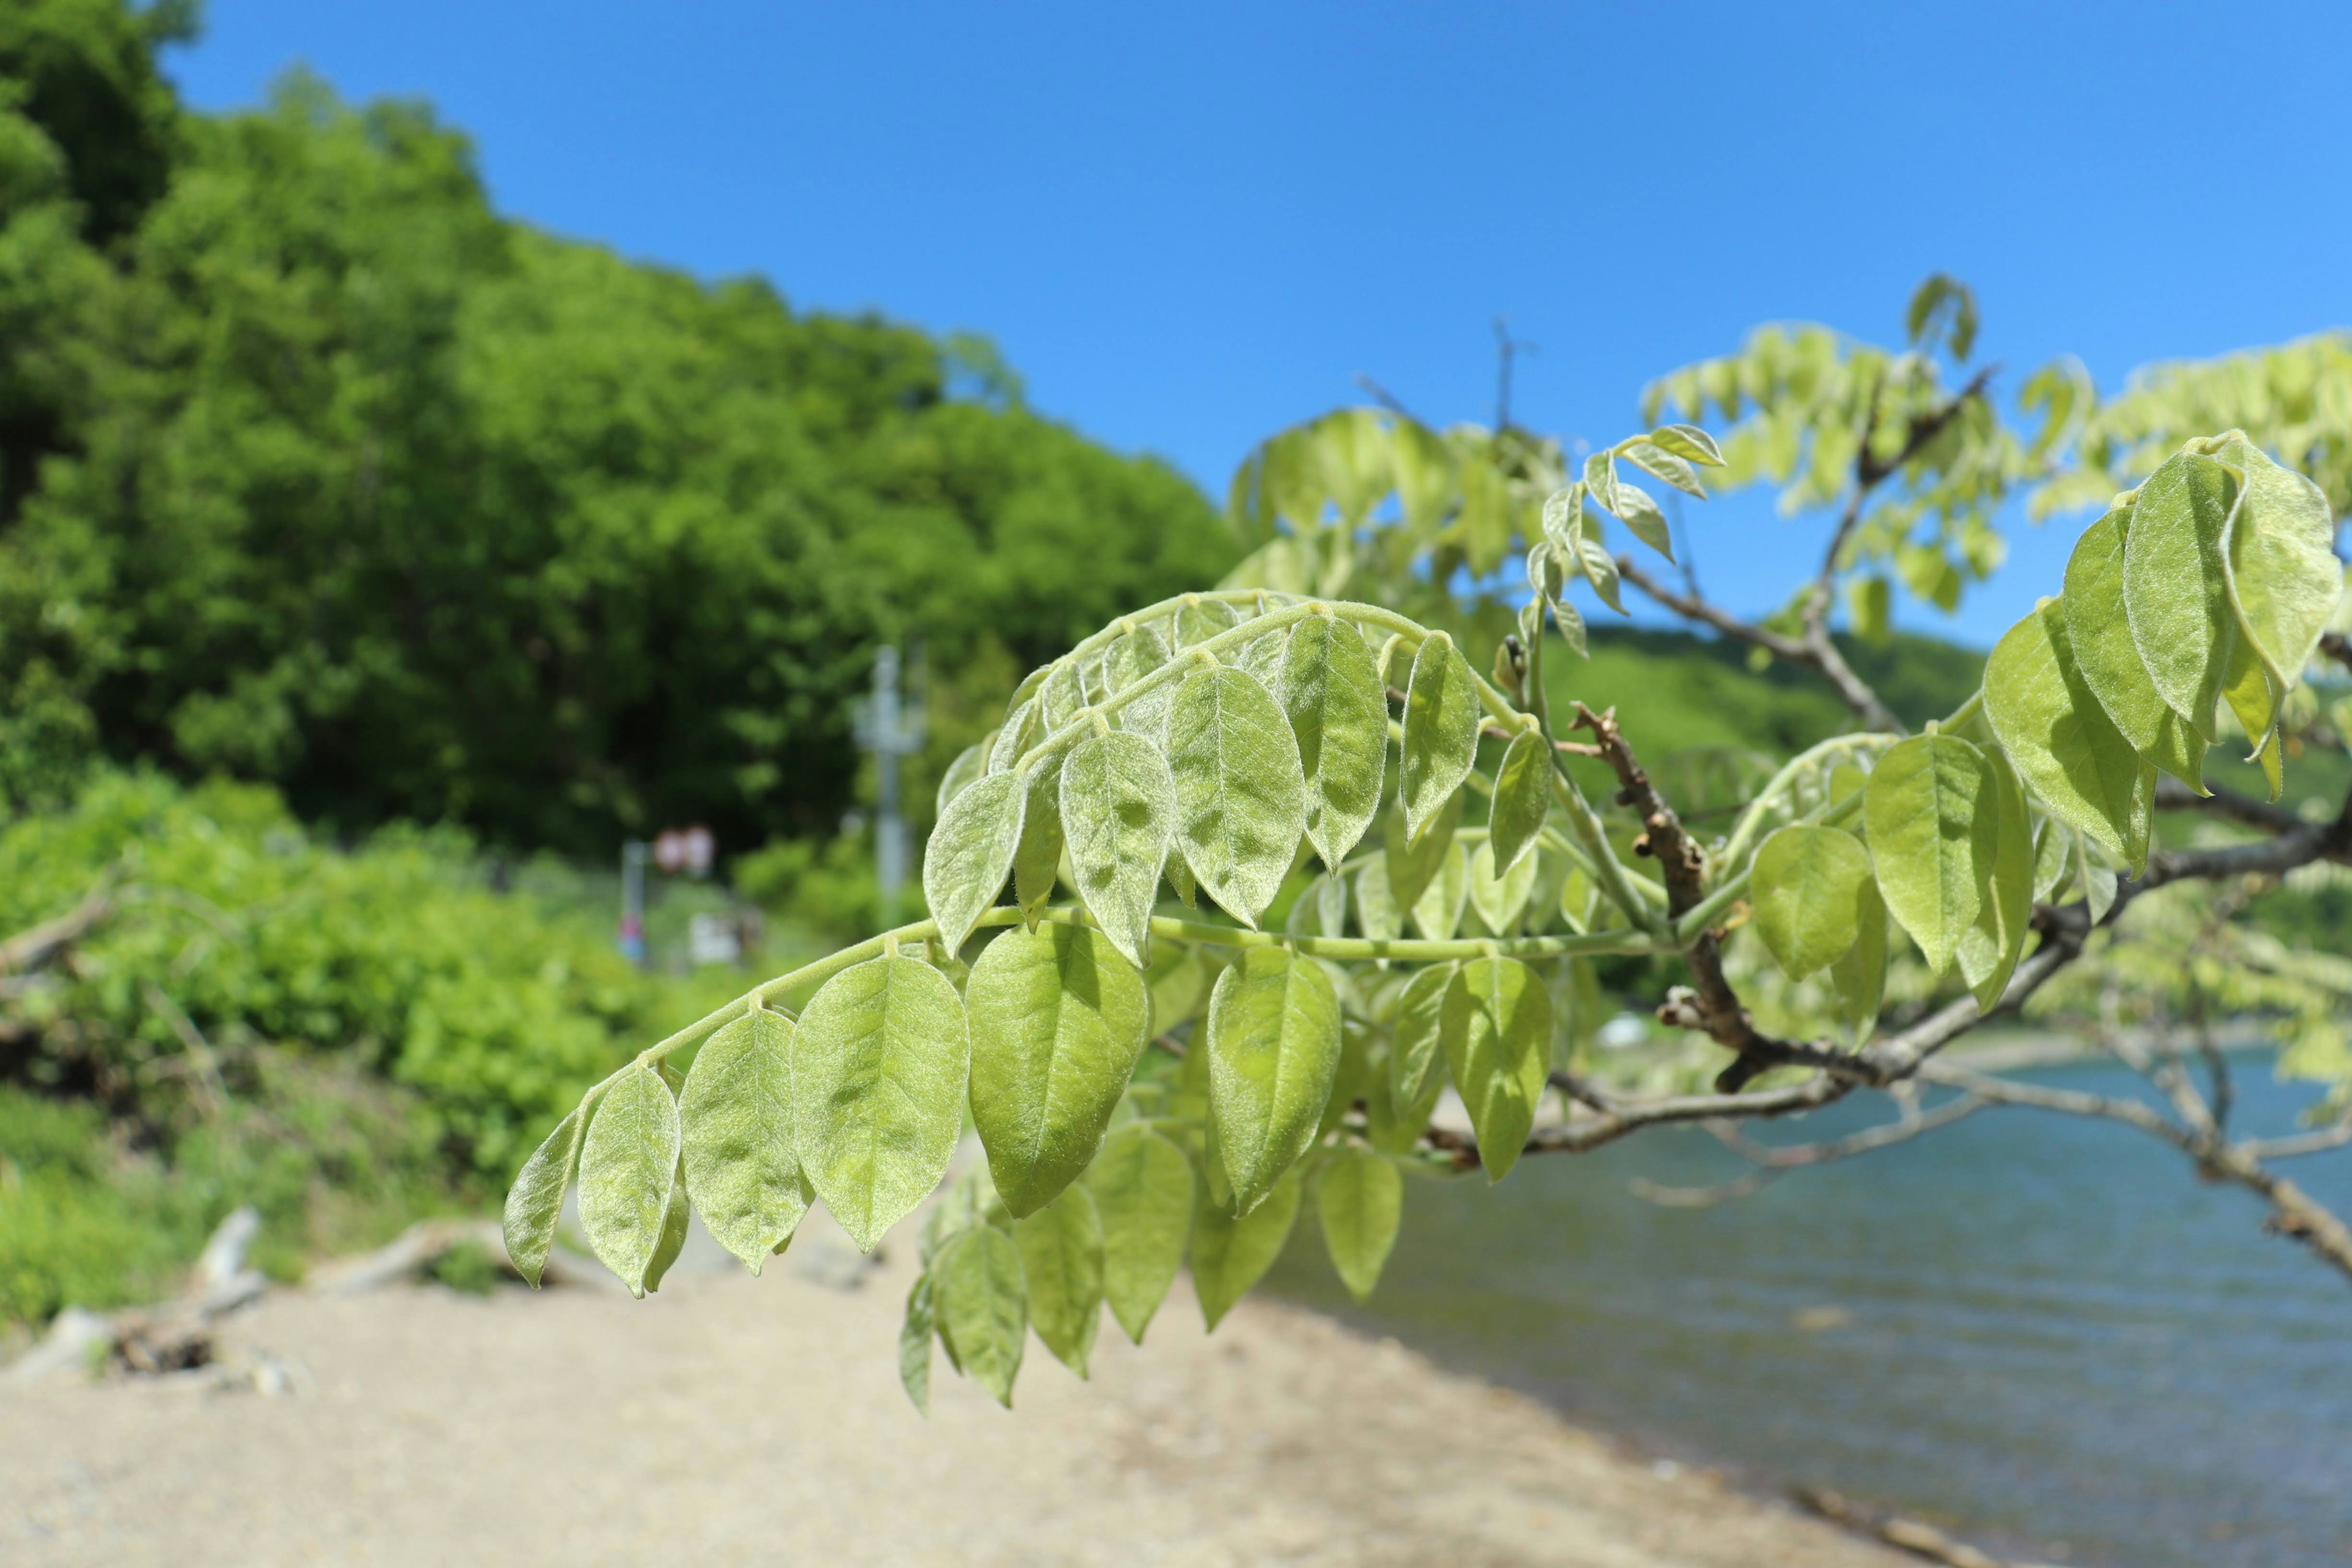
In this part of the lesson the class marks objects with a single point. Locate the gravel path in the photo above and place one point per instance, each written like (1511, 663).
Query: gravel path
(730, 1420)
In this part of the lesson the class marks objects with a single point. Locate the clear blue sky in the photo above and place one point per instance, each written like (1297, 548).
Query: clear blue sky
(1188, 225)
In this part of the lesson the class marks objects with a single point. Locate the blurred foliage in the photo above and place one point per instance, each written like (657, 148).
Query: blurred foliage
(314, 470)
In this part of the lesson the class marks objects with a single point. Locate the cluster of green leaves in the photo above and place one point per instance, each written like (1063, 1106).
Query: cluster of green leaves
(314, 470)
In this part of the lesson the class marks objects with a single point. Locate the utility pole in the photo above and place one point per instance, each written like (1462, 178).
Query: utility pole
(891, 730)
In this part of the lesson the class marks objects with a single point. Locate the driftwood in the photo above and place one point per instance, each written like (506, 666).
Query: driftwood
(1923, 1540)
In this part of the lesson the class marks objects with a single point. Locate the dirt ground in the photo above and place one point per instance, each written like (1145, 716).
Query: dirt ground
(730, 1420)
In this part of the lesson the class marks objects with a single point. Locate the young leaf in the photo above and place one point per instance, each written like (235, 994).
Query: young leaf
(1037, 860)
(1441, 732)
(2176, 582)
(2282, 560)
(1689, 442)
(1118, 810)
(1859, 977)
(1988, 949)
(1331, 904)
(736, 1120)
(535, 1202)
(1921, 805)
(879, 1063)
(1437, 913)
(2052, 858)
(1231, 1253)
(1339, 713)
(1143, 1188)
(1416, 1040)
(982, 1299)
(1061, 1248)
(1496, 1026)
(1654, 459)
(1377, 915)
(2099, 637)
(672, 1241)
(2097, 882)
(1601, 570)
(1412, 863)
(1062, 694)
(1024, 727)
(1135, 655)
(971, 853)
(1240, 791)
(1807, 891)
(970, 762)
(1058, 1018)
(915, 1344)
(1359, 1198)
(1641, 514)
(1198, 620)
(627, 1166)
(1522, 797)
(1274, 1046)
(2052, 726)
(1501, 900)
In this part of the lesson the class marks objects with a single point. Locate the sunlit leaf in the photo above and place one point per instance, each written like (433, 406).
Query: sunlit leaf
(743, 1169)
(971, 853)
(1932, 857)
(1807, 892)
(1359, 1198)
(1061, 1248)
(1274, 1045)
(535, 1202)
(1496, 1026)
(1240, 791)
(2099, 636)
(981, 1302)
(2053, 727)
(1501, 900)
(1522, 797)
(2176, 583)
(1988, 949)
(1118, 813)
(627, 1166)
(1143, 1188)
(1441, 732)
(1232, 1253)
(1437, 913)
(1339, 712)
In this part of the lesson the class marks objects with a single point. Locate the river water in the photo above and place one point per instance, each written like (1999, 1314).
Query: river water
(2040, 1331)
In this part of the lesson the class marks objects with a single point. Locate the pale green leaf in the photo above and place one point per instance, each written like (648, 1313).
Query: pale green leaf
(1412, 863)
(971, 853)
(2052, 858)
(627, 1166)
(1339, 712)
(1500, 901)
(1921, 805)
(1240, 791)
(1416, 1041)
(1198, 620)
(1858, 978)
(915, 1344)
(2054, 728)
(1690, 443)
(1441, 731)
(2176, 583)
(1496, 1026)
(1143, 1188)
(2282, 560)
(1868, 607)
(2099, 636)
(1425, 467)
(970, 763)
(1273, 1048)
(736, 1115)
(1134, 655)
(1037, 859)
(1178, 986)
(1119, 811)
(1601, 479)
(1331, 904)
(1988, 949)
(1058, 1018)
(1231, 1253)
(1522, 797)
(1359, 1198)
(1641, 514)
(673, 1231)
(1437, 913)
(1061, 1248)
(1024, 727)
(1601, 570)
(879, 1065)
(2097, 882)
(982, 1301)
(1654, 459)
(1807, 894)
(1377, 915)
(535, 1202)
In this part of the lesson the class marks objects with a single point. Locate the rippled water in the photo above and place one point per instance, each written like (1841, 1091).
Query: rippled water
(2059, 1339)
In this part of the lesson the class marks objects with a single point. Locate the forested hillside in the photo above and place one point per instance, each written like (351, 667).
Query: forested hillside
(315, 470)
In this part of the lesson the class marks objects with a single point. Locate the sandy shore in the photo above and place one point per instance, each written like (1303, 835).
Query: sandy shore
(730, 1420)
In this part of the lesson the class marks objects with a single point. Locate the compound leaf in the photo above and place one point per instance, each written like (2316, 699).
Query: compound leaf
(1441, 732)
(1119, 811)
(1496, 1024)
(971, 853)
(1240, 791)
(743, 1169)
(1807, 891)
(2054, 728)
(1921, 807)
(1339, 711)
(627, 1166)
(1273, 1048)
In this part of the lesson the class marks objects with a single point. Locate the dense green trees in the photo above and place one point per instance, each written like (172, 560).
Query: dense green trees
(317, 471)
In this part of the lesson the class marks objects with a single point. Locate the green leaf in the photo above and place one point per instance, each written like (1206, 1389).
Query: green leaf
(1601, 480)
(1118, 810)
(736, 1116)
(2052, 858)
(1496, 1026)
(535, 1202)
(1037, 860)
(1058, 1018)
(1437, 913)
(672, 1241)
(2097, 882)
(1988, 949)
(1601, 570)
(1198, 620)
(1807, 892)
(627, 1166)
(1441, 732)
(1426, 483)
(1868, 607)
(879, 1065)
(1273, 1048)
(1377, 915)
(1522, 797)
(1135, 655)
(1653, 459)
(1641, 514)
(1063, 695)
(1411, 863)
(1061, 1248)
(1339, 712)
(1359, 1198)
(2052, 726)
(1858, 978)
(1143, 1188)
(1500, 901)
(971, 853)
(1331, 904)
(915, 1344)
(1022, 727)
(1417, 1042)
(2282, 560)
(1921, 805)
(982, 1299)
(1689, 442)
(1178, 986)
(971, 763)
(1231, 1253)
(1240, 791)
(2176, 583)
(2099, 636)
